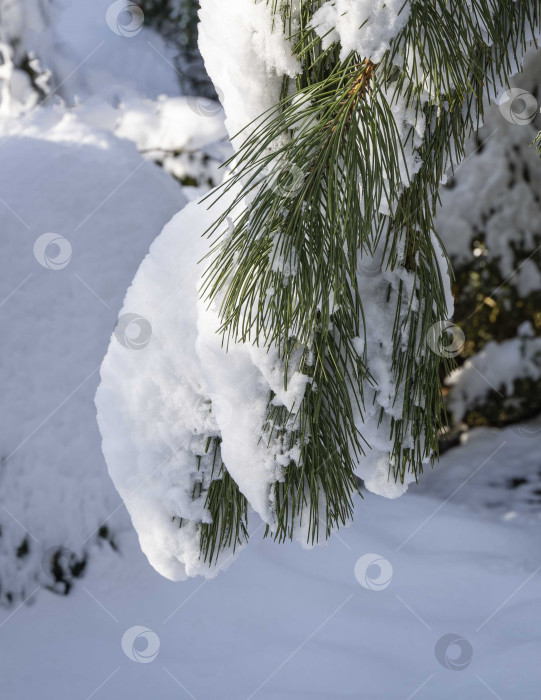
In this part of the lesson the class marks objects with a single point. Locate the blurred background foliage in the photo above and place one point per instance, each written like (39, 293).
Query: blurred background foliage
(490, 223)
(176, 21)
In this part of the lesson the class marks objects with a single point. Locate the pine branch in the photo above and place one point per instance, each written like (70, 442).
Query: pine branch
(328, 176)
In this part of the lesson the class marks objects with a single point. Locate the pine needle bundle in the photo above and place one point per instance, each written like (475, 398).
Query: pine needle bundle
(341, 177)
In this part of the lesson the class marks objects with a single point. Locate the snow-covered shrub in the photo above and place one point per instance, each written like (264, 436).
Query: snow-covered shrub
(490, 224)
(499, 384)
(196, 167)
(176, 21)
(128, 84)
(79, 210)
(23, 79)
(185, 135)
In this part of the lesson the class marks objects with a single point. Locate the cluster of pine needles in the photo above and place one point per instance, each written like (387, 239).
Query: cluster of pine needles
(340, 134)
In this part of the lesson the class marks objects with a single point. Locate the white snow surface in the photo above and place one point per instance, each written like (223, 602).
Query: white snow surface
(288, 624)
(495, 472)
(102, 203)
(494, 369)
(363, 26)
(246, 54)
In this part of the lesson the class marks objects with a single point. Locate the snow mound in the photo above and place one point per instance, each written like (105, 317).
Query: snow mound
(495, 368)
(173, 386)
(78, 209)
(494, 471)
(246, 54)
(158, 405)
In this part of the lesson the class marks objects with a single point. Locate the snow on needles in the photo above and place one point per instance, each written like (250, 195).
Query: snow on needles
(246, 55)
(158, 405)
(363, 26)
(154, 404)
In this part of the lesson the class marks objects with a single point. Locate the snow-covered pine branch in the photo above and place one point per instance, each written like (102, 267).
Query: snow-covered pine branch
(309, 353)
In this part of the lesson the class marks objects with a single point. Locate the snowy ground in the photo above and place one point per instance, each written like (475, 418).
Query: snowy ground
(506, 486)
(286, 623)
